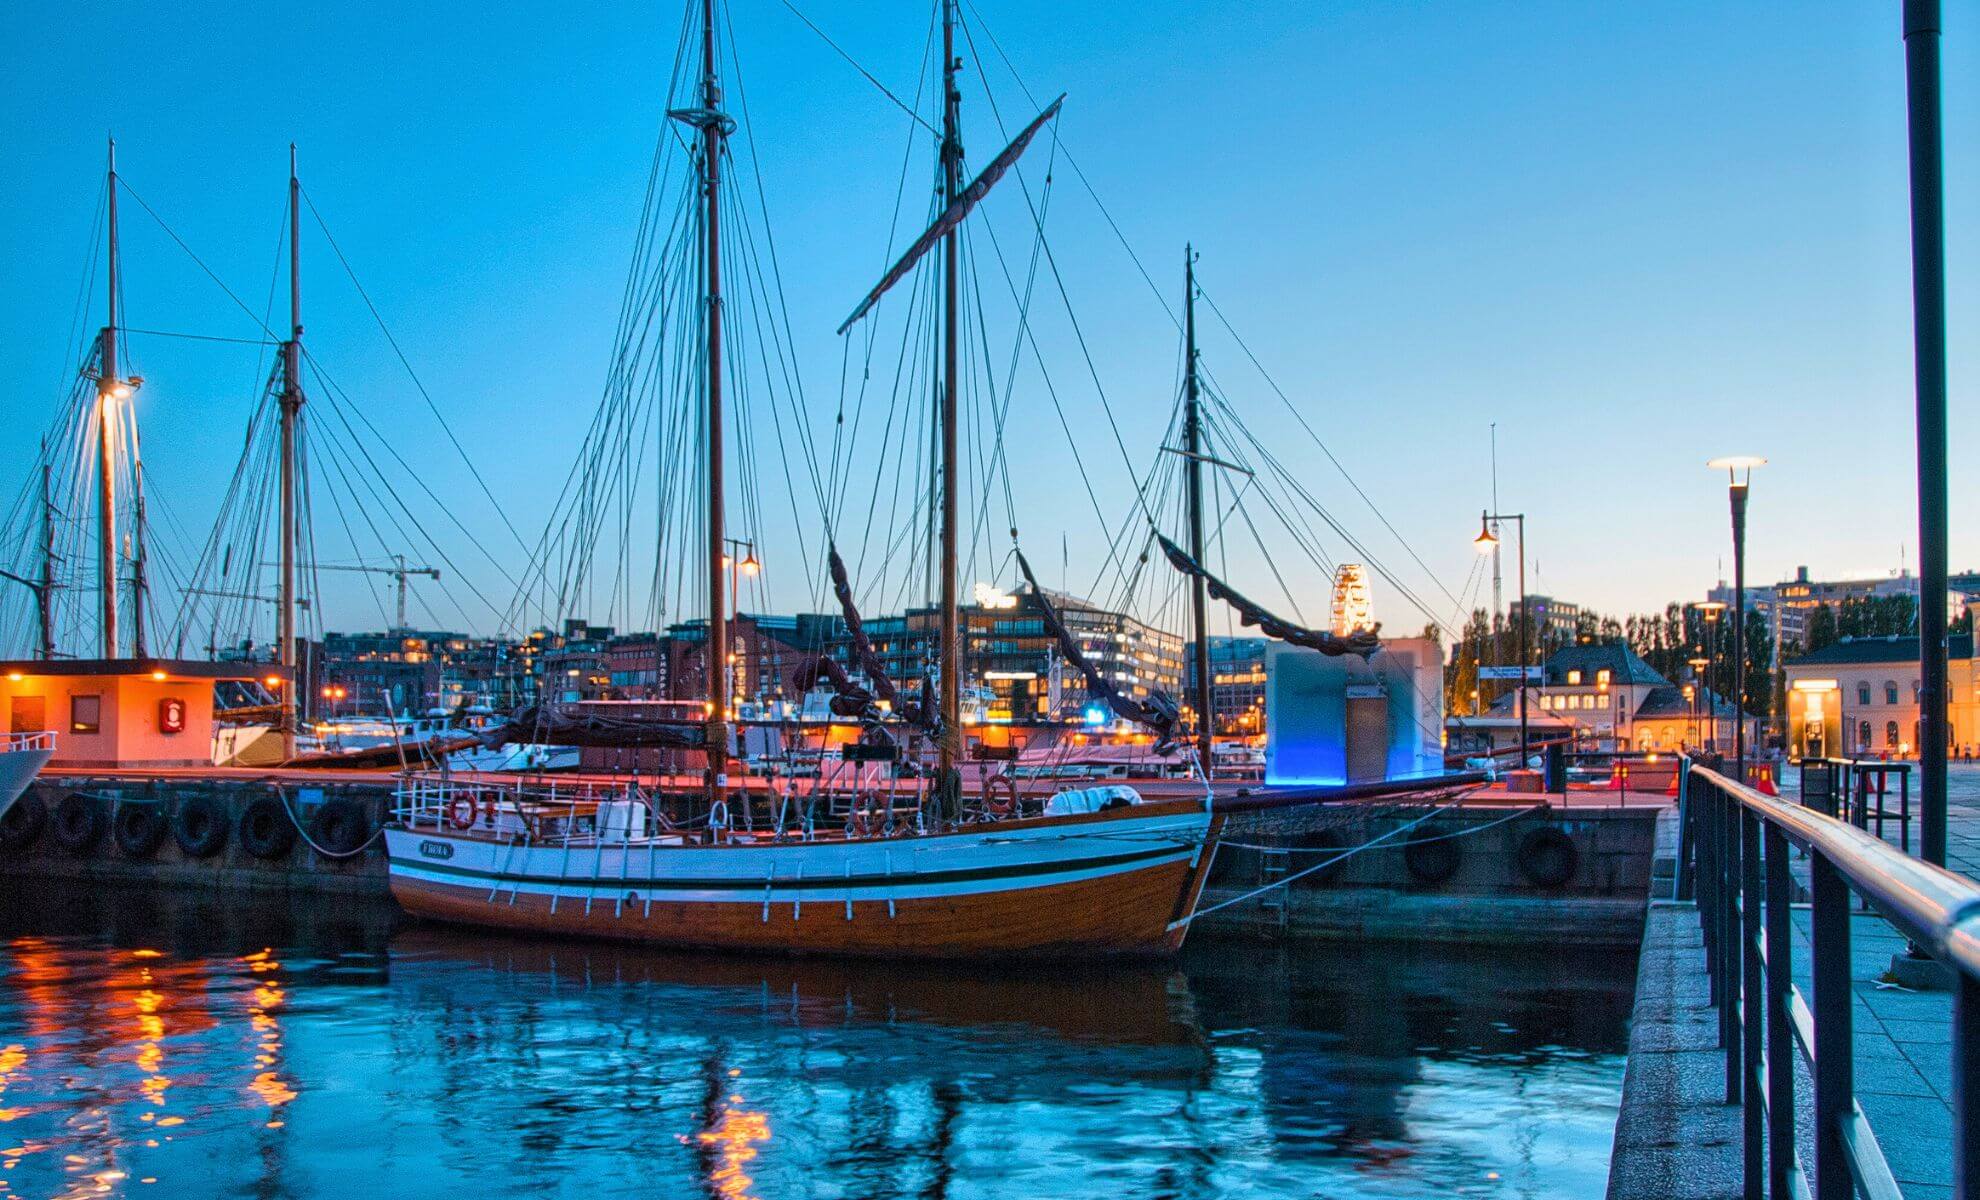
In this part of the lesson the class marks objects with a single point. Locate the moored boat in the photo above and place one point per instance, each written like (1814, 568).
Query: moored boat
(1097, 873)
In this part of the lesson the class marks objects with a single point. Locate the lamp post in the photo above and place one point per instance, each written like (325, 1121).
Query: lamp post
(1710, 610)
(1701, 675)
(741, 557)
(1487, 541)
(1928, 309)
(1739, 477)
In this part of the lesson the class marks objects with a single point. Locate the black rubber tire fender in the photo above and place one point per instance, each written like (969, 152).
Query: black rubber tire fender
(199, 825)
(22, 823)
(138, 829)
(1431, 856)
(265, 829)
(1547, 857)
(77, 823)
(339, 826)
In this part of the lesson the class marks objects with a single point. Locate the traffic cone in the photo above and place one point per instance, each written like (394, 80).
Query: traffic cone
(1672, 789)
(1764, 780)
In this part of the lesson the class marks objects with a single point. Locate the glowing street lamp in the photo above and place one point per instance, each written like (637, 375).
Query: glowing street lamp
(1739, 476)
(1486, 540)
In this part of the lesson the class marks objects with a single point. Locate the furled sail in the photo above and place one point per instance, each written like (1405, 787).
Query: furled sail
(862, 647)
(561, 726)
(952, 216)
(848, 698)
(924, 715)
(1362, 641)
(1158, 712)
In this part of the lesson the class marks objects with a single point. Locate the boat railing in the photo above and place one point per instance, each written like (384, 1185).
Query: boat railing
(580, 812)
(1737, 861)
(42, 739)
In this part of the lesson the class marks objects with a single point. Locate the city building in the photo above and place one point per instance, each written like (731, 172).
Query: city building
(1611, 699)
(1860, 696)
(1237, 684)
(1787, 605)
(1010, 655)
(1554, 621)
(410, 671)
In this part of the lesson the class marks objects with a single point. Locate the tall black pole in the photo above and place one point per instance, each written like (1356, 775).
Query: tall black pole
(1193, 465)
(1928, 305)
(1738, 496)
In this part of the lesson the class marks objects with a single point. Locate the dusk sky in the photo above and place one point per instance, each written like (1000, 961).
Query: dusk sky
(1634, 236)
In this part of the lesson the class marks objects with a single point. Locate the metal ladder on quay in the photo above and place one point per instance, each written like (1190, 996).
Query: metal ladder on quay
(1274, 864)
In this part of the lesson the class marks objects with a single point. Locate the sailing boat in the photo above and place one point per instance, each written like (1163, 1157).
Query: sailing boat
(1097, 872)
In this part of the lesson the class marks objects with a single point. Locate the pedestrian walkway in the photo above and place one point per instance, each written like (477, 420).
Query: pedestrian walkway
(1676, 1136)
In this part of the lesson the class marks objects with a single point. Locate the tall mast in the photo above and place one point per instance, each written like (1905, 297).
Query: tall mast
(948, 783)
(291, 409)
(139, 586)
(714, 127)
(1193, 465)
(44, 595)
(109, 389)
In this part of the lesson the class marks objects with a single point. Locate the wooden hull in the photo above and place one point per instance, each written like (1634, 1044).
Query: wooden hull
(1120, 883)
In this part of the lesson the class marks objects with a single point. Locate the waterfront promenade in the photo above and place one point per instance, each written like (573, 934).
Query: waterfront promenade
(1676, 1137)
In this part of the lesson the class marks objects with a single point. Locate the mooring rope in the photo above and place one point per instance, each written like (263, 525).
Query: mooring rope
(282, 797)
(1351, 852)
(1532, 808)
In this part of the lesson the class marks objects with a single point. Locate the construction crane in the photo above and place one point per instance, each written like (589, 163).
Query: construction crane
(399, 572)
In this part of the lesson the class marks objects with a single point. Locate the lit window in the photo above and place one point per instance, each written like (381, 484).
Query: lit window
(1574, 677)
(86, 714)
(1602, 677)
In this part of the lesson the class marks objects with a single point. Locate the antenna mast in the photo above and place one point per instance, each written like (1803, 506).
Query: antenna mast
(1193, 460)
(291, 410)
(947, 782)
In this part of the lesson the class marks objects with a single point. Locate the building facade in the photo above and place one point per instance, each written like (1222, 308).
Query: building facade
(1237, 685)
(1012, 662)
(1859, 696)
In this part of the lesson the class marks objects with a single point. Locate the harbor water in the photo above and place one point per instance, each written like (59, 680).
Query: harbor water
(266, 1047)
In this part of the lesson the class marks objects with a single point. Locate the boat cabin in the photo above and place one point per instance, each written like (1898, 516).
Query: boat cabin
(121, 712)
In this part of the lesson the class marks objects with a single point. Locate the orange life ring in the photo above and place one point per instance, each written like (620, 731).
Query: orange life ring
(994, 786)
(460, 812)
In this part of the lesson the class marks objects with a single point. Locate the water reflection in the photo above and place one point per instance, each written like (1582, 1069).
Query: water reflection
(299, 1050)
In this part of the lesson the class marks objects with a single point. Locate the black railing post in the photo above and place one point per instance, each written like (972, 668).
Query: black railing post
(1681, 884)
(1708, 883)
(1780, 1035)
(1966, 1088)
(1752, 990)
(1729, 956)
(1834, 1071)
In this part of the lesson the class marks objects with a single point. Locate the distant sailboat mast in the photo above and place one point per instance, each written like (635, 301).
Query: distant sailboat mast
(109, 390)
(1193, 468)
(291, 412)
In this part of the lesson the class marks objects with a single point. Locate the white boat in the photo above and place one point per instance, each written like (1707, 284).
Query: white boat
(22, 755)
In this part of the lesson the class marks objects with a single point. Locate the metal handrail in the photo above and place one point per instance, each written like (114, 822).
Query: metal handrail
(30, 740)
(1745, 900)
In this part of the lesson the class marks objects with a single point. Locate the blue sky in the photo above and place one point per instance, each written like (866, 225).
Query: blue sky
(1634, 236)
